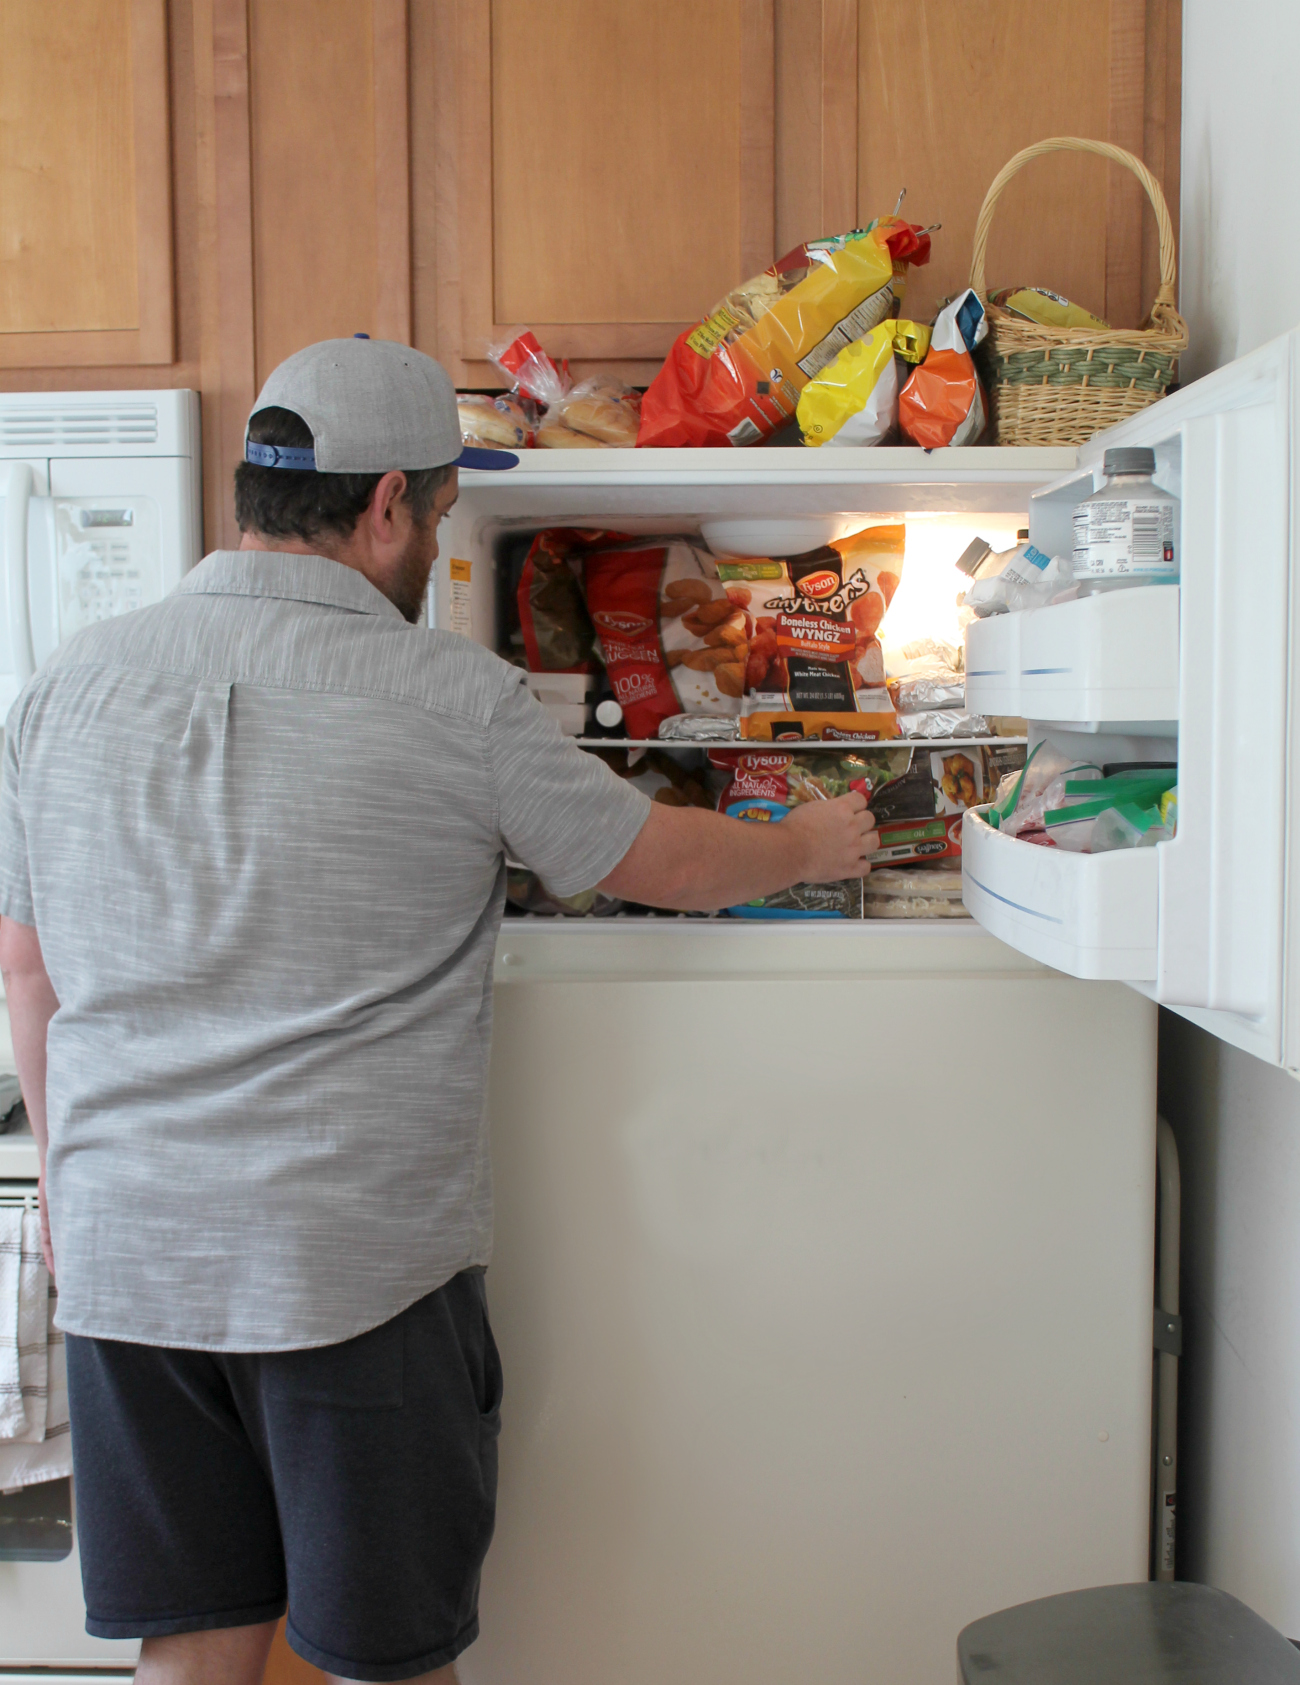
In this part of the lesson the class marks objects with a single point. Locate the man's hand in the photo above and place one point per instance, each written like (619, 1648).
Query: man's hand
(838, 837)
(695, 861)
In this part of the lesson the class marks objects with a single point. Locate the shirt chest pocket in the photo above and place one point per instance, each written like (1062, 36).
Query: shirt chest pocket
(364, 1373)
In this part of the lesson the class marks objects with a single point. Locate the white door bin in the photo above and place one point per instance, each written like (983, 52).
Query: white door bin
(1091, 915)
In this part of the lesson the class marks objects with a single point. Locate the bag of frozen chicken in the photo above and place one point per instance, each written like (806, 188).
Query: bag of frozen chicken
(671, 639)
(736, 376)
(814, 666)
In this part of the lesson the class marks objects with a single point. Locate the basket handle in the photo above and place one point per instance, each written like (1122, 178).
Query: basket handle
(1103, 149)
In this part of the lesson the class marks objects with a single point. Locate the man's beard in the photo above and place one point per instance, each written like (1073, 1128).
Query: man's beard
(410, 582)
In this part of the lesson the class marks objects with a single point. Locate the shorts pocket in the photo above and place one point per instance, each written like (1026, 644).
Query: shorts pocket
(364, 1373)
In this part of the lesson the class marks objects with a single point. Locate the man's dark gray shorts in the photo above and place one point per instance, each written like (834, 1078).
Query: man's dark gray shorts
(354, 1483)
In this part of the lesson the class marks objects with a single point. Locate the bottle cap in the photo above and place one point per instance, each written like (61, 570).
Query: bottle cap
(1130, 459)
(608, 713)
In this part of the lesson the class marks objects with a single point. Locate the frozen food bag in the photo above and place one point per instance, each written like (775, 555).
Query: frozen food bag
(914, 892)
(943, 402)
(814, 666)
(526, 892)
(763, 788)
(736, 376)
(854, 400)
(557, 630)
(671, 640)
(919, 810)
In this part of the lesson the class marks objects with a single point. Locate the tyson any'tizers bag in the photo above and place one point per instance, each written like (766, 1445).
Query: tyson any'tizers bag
(736, 376)
(814, 666)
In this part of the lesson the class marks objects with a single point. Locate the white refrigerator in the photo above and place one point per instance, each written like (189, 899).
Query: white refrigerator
(823, 1269)
(100, 512)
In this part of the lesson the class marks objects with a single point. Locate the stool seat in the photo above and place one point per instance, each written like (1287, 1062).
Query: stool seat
(1149, 1634)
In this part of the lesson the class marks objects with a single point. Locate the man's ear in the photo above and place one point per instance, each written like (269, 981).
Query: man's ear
(382, 513)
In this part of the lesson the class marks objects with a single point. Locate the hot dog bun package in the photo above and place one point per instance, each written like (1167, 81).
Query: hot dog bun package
(943, 402)
(672, 640)
(854, 400)
(737, 375)
(814, 667)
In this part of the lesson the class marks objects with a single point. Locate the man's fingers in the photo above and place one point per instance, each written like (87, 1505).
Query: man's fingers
(855, 801)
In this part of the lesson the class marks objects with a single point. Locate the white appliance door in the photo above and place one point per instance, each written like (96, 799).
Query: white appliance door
(24, 483)
(1201, 927)
(116, 539)
(43, 1620)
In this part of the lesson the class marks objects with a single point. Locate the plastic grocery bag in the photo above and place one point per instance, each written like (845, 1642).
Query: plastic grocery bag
(736, 376)
(530, 371)
(1029, 579)
(854, 400)
(943, 402)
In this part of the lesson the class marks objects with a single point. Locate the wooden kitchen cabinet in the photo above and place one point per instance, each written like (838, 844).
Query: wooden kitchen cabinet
(192, 189)
(85, 184)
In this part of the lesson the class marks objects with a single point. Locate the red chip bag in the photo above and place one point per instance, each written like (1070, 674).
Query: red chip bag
(736, 376)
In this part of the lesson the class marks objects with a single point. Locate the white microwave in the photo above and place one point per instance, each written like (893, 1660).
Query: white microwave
(100, 513)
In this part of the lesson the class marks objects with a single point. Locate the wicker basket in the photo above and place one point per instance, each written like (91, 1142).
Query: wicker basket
(1059, 386)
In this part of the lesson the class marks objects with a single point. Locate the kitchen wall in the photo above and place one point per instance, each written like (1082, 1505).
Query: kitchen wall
(1238, 1121)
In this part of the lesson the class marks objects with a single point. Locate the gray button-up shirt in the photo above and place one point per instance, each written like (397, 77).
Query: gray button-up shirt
(260, 829)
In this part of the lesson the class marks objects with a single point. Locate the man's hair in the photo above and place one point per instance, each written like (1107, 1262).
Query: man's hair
(301, 503)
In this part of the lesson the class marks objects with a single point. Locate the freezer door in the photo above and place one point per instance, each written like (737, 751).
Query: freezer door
(1227, 444)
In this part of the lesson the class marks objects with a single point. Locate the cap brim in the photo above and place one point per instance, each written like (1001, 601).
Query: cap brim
(474, 456)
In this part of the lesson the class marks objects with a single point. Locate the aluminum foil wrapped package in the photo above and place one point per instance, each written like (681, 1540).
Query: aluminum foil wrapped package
(944, 722)
(697, 728)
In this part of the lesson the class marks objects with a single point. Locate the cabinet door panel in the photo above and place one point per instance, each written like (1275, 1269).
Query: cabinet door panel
(616, 171)
(85, 191)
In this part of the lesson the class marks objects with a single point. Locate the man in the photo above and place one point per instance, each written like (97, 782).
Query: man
(252, 847)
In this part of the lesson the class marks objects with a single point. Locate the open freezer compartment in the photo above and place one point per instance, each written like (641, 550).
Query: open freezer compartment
(945, 498)
(1203, 668)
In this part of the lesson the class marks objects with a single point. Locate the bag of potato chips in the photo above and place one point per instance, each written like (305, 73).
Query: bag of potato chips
(736, 376)
(854, 400)
(813, 662)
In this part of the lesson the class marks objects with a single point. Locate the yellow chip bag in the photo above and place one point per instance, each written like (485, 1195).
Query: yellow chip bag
(1048, 309)
(854, 400)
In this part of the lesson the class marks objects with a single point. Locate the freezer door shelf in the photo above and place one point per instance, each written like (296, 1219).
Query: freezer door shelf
(1091, 915)
(1111, 657)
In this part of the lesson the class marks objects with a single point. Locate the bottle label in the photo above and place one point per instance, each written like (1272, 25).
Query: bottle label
(1125, 538)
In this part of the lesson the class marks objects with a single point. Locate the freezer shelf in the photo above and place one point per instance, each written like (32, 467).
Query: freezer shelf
(1111, 657)
(1091, 915)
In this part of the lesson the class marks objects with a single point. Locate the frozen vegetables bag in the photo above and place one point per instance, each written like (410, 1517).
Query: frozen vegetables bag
(736, 376)
(854, 400)
(943, 402)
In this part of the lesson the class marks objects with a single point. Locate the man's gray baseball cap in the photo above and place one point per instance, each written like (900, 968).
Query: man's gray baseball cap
(372, 406)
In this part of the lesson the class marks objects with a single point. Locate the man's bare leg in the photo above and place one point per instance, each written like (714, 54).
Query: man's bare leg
(233, 1655)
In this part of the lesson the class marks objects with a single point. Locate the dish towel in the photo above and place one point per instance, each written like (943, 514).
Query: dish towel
(26, 1463)
(35, 1442)
(23, 1376)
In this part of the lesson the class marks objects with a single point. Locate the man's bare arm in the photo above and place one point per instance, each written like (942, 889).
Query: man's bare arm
(695, 861)
(32, 1003)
